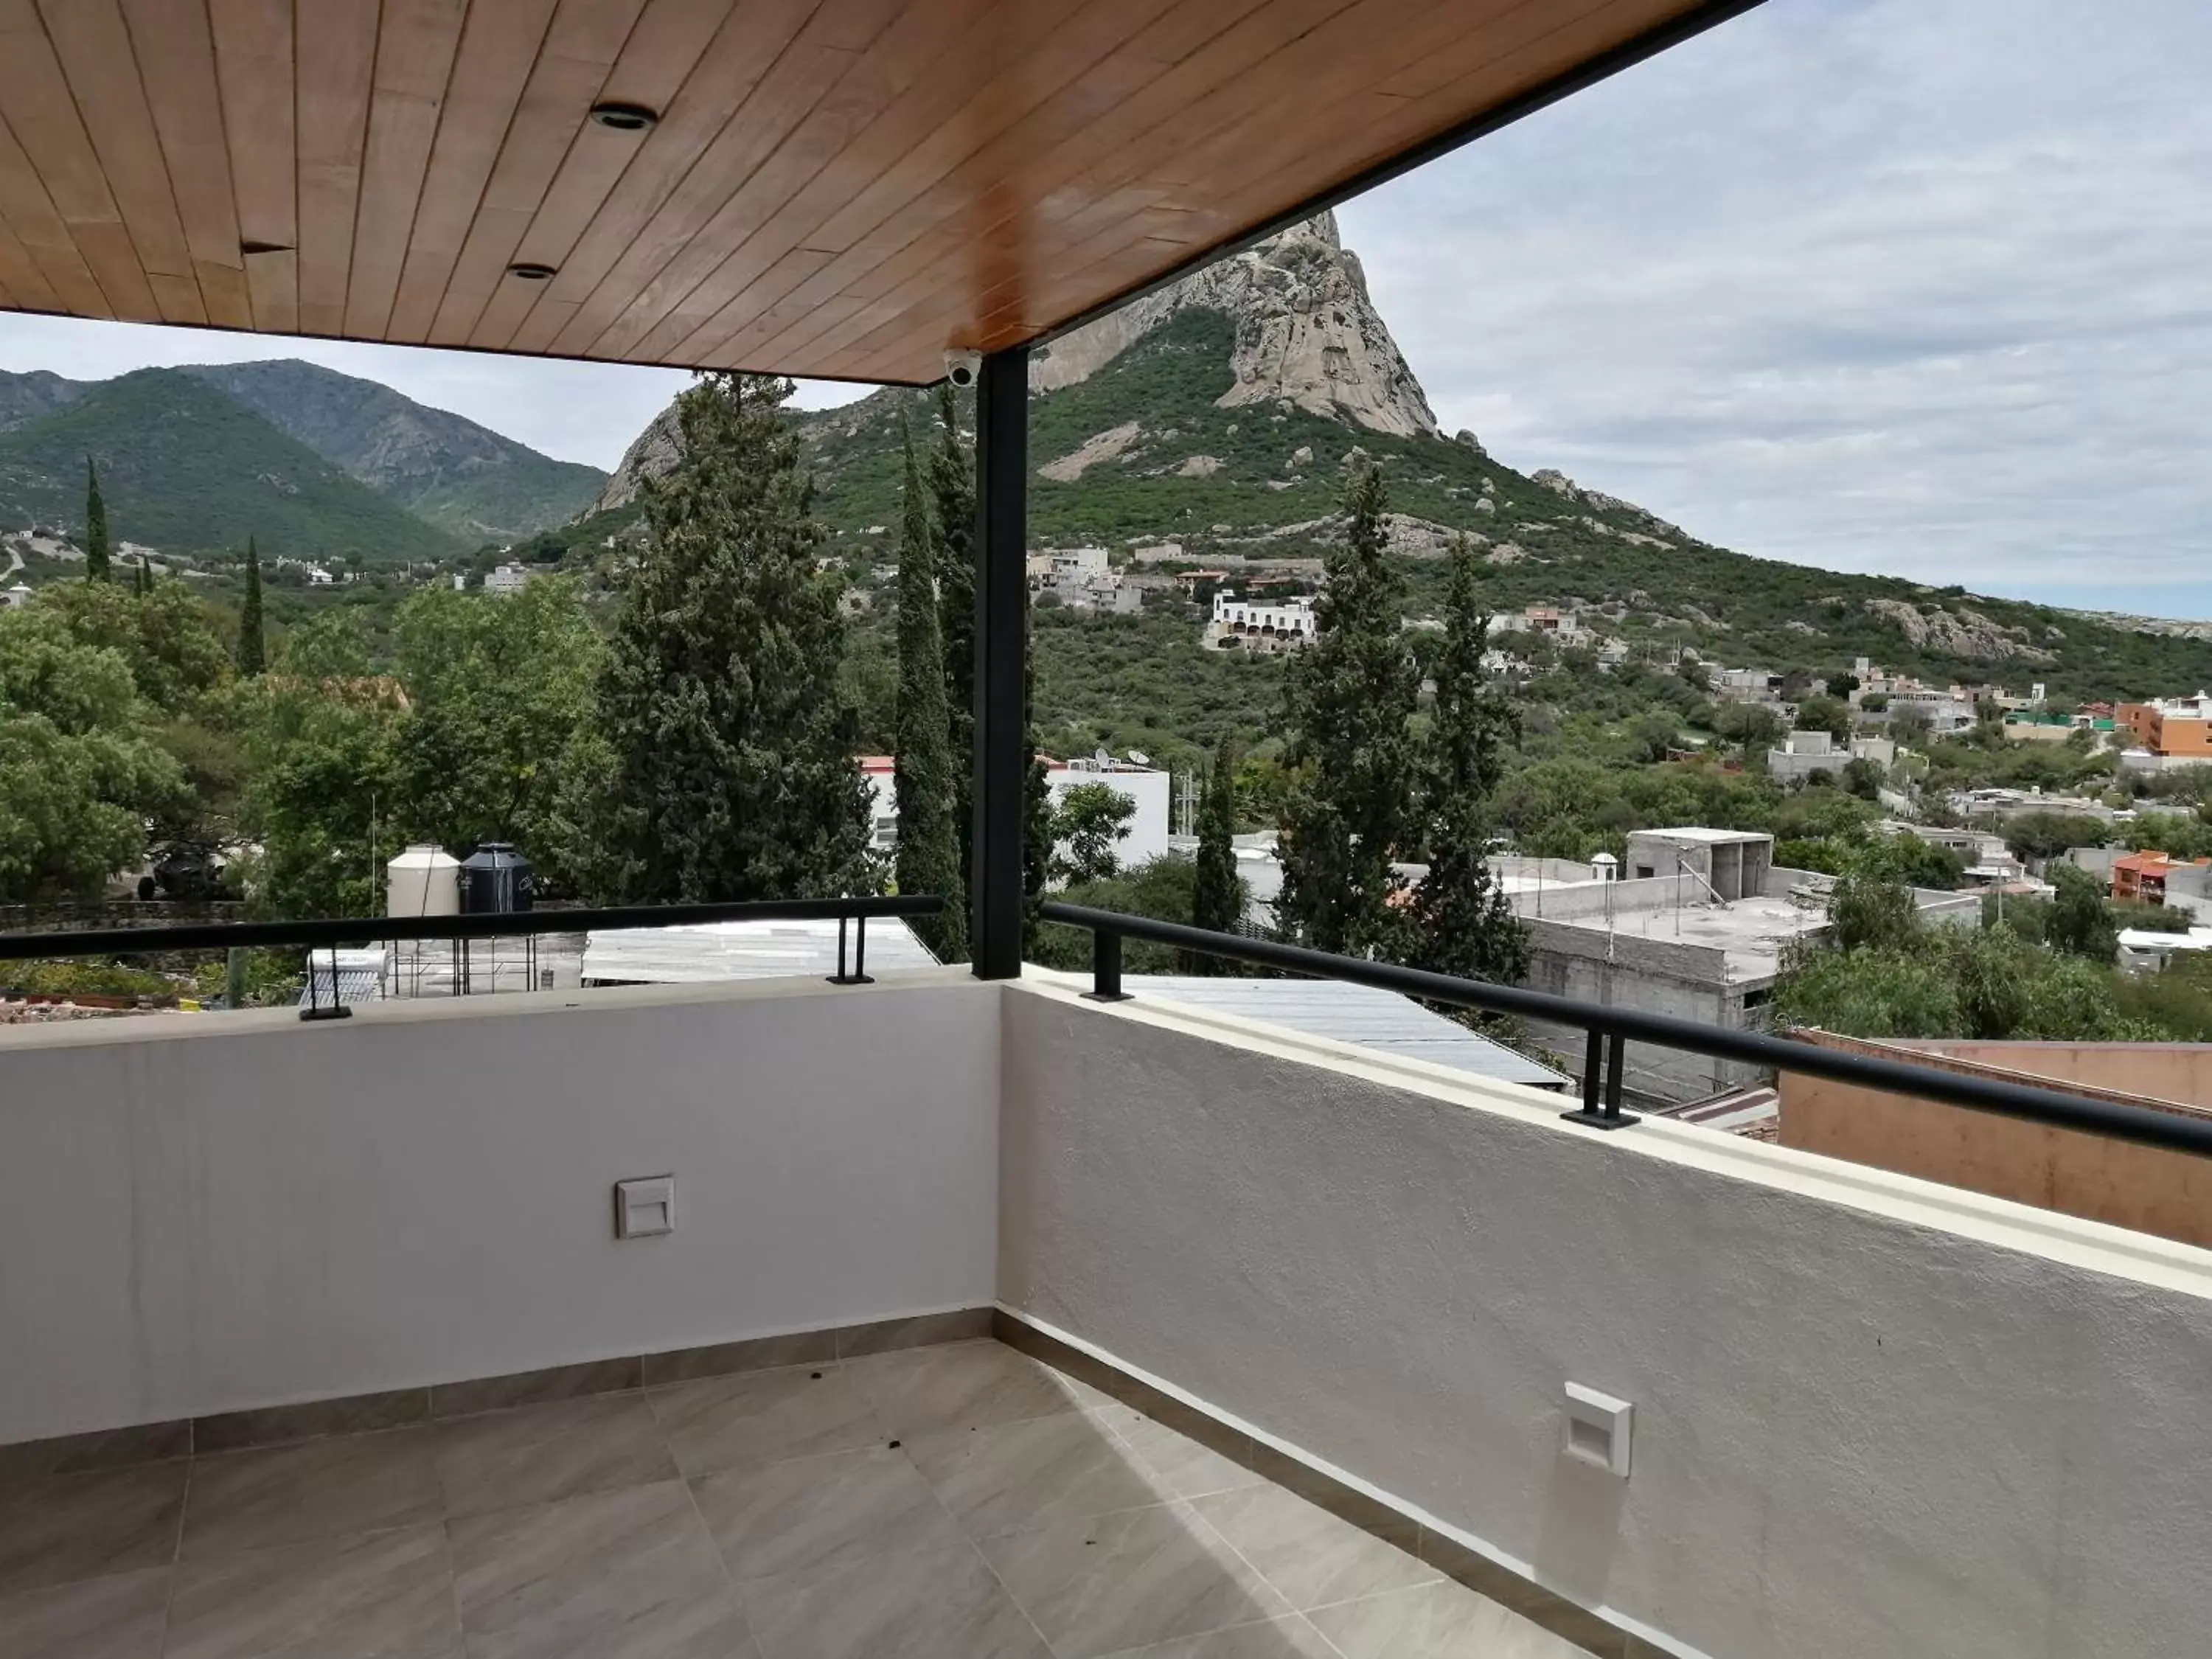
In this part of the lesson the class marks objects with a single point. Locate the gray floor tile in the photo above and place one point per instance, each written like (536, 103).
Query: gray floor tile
(960, 1385)
(372, 1595)
(619, 1575)
(807, 1514)
(1182, 1466)
(719, 1422)
(936, 1603)
(1014, 1475)
(1290, 1638)
(1311, 1556)
(283, 1495)
(113, 1618)
(1443, 1620)
(535, 1454)
(65, 1527)
(1130, 1580)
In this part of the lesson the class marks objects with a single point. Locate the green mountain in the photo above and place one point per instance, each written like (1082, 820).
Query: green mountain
(1218, 413)
(463, 479)
(26, 397)
(187, 468)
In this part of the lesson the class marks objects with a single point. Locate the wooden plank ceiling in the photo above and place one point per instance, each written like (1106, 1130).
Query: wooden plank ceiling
(841, 188)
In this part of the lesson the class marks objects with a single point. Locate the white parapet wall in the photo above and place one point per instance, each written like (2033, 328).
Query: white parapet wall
(200, 1214)
(1873, 1416)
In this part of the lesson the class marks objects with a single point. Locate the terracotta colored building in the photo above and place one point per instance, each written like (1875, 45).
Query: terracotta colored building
(2143, 875)
(2177, 726)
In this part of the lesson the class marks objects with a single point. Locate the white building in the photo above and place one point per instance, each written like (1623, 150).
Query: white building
(1078, 563)
(15, 597)
(1146, 835)
(506, 579)
(1287, 626)
(1150, 789)
(1803, 753)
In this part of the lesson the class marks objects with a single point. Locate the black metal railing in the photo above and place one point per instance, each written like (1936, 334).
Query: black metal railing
(333, 934)
(1609, 1030)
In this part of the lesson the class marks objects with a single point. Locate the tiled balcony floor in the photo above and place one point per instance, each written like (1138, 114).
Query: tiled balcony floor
(957, 1502)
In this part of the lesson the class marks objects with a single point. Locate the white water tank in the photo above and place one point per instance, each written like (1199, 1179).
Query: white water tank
(422, 881)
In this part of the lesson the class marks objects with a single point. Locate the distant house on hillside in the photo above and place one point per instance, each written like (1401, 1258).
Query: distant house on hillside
(506, 580)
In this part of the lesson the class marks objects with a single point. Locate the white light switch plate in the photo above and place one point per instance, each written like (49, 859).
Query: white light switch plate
(645, 1207)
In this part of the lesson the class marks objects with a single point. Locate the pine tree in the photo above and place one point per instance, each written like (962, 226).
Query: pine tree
(97, 562)
(927, 778)
(1350, 696)
(1217, 899)
(253, 647)
(952, 498)
(1464, 924)
(726, 766)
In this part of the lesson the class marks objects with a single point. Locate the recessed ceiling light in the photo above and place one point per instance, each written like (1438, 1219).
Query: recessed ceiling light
(625, 118)
(531, 273)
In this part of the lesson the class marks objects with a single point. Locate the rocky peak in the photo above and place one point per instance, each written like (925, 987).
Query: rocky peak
(1306, 333)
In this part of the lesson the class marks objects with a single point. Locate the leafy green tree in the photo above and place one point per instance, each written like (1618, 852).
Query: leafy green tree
(1218, 894)
(78, 780)
(1825, 713)
(952, 515)
(1090, 822)
(727, 751)
(2081, 922)
(927, 777)
(1350, 696)
(1463, 924)
(98, 561)
(1870, 910)
(1164, 888)
(499, 692)
(2048, 834)
(1862, 777)
(252, 647)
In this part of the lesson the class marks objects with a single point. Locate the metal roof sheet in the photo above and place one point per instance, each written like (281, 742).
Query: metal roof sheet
(1363, 1014)
(743, 950)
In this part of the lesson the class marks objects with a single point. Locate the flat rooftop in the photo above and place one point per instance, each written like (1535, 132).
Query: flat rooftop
(1753, 932)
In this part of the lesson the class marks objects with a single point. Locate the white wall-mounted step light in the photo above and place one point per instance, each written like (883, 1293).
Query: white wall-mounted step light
(1598, 1428)
(645, 1207)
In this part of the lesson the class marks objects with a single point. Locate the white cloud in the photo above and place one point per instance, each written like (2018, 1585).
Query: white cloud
(1865, 284)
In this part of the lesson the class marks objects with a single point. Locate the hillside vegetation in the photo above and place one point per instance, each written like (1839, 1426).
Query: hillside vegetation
(187, 468)
(462, 478)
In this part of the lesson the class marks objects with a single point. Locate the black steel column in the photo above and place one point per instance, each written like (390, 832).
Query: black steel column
(994, 877)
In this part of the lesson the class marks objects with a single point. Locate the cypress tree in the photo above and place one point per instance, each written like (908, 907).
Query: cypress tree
(97, 564)
(1349, 695)
(1464, 923)
(727, 743)
(953, 511)
(926, 775)
(253, 647)
(141, 583)
(1217, 899)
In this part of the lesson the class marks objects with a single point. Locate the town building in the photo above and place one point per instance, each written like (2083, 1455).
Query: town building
(1697, 928)
(1804, 753)
(13, 596)
(2173, 728)
(1148, 790)
(2152, 878)
(504, 580)
(2123, 1184)
(1286, 625)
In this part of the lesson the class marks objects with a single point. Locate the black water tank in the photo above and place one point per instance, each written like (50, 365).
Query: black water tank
(495, 880)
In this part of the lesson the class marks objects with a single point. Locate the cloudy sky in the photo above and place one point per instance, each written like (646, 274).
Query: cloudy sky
(1914, 285)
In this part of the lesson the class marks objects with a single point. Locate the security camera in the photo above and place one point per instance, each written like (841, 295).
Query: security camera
(961, 367)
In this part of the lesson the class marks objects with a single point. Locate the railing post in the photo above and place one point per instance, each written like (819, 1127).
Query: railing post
(859, 975)
(1604, 1066)
(315, 1008)
(1105, 967)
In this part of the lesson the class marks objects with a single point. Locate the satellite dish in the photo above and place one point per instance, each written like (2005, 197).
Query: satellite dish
(1138, 757)
(1102, 757)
